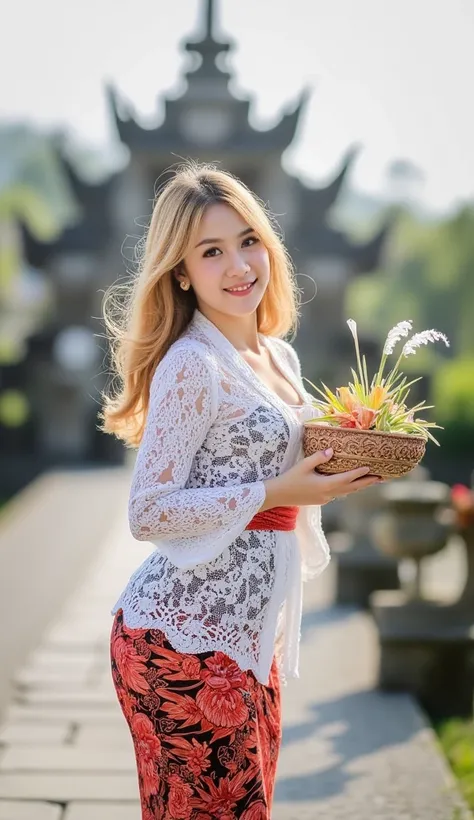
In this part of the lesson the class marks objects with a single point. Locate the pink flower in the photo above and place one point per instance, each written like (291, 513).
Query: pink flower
(223, 673)
(257, 811)
(360, 418)
(183, 709)
(220, 799)
(462, 499)
(198, 757)
(191, 667)
(148, 752)
(130, 666)
(195, 753)
(179, 806)
(219, 700)
(222, 708)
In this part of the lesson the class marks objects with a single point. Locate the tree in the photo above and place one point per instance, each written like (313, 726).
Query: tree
(34, 191)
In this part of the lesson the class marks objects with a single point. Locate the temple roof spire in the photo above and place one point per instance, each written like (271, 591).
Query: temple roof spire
(210, 9)
(207, 47)
(207, 114)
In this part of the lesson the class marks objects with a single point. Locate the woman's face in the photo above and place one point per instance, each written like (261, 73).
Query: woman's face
(227, 254)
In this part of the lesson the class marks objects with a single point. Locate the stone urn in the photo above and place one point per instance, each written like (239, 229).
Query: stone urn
(413, 524)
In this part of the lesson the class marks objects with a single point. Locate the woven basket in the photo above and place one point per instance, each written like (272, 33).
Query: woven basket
(389, 455)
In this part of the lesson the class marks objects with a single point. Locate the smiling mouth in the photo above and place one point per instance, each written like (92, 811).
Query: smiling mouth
(241, 288)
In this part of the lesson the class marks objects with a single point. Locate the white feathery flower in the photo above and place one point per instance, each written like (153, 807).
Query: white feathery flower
(395, 334)
(352, 327)
(423, 338)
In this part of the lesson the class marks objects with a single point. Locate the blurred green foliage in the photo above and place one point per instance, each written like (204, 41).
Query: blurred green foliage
(457, 741)
(453, 390)
(14, 408)
(34, 190)
(428, 277)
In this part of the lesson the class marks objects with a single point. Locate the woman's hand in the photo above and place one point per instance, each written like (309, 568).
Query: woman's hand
(301, 485)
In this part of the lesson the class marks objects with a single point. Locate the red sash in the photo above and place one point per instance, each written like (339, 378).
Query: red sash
(276, 518)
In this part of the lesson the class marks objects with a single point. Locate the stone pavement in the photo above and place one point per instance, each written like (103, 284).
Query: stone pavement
(348, 751)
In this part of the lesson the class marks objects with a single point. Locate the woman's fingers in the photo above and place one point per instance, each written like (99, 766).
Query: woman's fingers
(353, 475)
(338, 480)
(345, 483)
(362, 483)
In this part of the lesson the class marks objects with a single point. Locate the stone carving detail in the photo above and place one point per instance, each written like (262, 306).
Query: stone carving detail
(389, 455)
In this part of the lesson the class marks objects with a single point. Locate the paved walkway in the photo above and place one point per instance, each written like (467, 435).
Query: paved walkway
(348, 751)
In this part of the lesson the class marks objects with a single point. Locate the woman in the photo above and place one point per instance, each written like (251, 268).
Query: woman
(213, 398)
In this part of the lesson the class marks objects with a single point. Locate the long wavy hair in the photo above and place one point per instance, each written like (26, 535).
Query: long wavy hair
(144, 316)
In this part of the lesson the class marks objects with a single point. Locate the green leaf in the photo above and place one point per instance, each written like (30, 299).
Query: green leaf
(364, 365)
(334, 400)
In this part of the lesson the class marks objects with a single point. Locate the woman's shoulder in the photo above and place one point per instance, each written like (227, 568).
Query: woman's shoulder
(187, 344)
(188, 353)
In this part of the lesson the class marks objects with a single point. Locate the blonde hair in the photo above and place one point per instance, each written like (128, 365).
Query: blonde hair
(147, 314)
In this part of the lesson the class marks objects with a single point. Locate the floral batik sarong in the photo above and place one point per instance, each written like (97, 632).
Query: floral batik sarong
(206, 734)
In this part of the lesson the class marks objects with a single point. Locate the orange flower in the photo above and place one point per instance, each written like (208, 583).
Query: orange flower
(347, 399)
(357, 415)
(361, 418)
(377, 396)
(345, 420)
(365, 418)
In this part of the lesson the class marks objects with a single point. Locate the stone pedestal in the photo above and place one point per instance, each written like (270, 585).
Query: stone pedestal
(331, 516)
(360, 570)
(426, 648)
(466, 599)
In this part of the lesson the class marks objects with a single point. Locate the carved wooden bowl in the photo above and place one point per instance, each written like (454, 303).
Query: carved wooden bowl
(389, 455)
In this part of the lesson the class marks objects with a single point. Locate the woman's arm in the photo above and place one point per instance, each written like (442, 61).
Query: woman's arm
(314, 548)
(183, 406)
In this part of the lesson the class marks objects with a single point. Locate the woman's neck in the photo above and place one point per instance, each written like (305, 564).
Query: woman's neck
(240, 331)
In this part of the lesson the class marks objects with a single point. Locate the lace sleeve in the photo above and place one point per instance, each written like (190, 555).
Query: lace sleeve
(314, 548)
(191, 526)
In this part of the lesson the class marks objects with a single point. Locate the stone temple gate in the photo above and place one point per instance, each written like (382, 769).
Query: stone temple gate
(62, 374)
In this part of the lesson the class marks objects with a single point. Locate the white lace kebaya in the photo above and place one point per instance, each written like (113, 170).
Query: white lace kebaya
(214, 433)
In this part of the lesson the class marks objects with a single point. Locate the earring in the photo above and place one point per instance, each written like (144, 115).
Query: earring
(184, 285)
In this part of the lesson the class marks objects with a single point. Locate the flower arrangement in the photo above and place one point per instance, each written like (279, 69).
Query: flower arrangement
(381, 403)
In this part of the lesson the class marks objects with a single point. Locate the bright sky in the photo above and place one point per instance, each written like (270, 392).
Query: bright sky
(396, 77)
